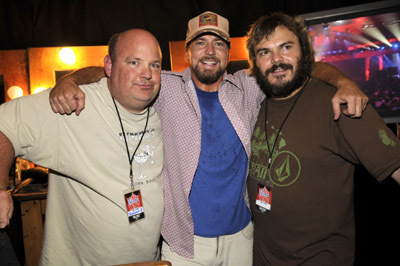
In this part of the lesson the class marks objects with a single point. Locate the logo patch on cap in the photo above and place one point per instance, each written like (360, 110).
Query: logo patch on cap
(208, 20)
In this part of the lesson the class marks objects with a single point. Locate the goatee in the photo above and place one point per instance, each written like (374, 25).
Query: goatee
(207, 76)
(283, 89)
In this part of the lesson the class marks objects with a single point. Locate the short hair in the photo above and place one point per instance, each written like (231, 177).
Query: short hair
(267, 24)
(112, 44)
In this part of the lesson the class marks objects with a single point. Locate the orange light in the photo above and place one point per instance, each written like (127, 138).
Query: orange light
(15, 92)
(67, 56)
(39, 89)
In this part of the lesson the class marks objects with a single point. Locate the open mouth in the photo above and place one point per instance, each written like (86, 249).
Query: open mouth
(210, 62)
(279, 68)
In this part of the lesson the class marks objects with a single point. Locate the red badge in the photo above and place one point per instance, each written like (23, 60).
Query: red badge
(134, 205)
(263, 200)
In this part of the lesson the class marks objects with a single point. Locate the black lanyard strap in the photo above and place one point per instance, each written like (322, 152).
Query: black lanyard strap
(130, 159)
(270, 152)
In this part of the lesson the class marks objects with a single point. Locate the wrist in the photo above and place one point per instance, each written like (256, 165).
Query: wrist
(345, 82)
(67, 80)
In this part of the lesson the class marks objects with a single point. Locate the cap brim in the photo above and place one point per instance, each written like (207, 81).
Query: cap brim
(214, 31)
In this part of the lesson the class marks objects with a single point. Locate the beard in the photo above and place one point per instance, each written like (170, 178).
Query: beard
(282, 89)
(208, 76)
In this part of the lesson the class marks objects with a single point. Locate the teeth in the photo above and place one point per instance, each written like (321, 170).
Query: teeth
(209, 62)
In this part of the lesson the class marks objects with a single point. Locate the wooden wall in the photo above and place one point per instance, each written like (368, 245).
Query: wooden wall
(36, 67)
(14, 69)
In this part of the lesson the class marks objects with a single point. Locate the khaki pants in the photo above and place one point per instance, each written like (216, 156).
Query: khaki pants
(227, 250)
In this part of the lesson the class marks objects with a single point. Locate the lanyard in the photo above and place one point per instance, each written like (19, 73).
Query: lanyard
(271, 152)
(130, 159)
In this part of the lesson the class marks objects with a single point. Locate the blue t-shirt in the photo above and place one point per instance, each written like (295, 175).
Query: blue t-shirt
(217, 196)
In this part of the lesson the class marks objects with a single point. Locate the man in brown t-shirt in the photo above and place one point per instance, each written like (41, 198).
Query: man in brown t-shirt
(301, 170)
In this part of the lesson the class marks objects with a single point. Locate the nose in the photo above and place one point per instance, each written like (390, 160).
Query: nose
(146, 72)
(276, 57)
(210, 49)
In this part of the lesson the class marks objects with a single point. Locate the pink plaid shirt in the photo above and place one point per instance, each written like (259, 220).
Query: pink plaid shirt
(179, 111)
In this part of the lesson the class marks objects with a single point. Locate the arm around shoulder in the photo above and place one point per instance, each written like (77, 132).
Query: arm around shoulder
(66, 97)
(348, 91)
(85, 75)
(7, 158)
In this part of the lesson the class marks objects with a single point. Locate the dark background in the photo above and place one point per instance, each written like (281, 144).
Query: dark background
(43, 23)
(40, 23)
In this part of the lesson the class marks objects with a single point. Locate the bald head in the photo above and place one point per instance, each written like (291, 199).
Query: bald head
(131, 35)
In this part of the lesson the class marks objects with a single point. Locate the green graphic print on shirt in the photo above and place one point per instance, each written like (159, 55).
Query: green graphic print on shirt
(386, 140)
(285, 166)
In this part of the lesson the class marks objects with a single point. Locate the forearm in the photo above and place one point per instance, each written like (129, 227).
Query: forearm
(331, 75)
(347, 90)
(85, 75)
(7, 158)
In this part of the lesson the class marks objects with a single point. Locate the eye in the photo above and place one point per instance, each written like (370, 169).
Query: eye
(287, 46)
(220, 44)
(199, 43)
(134, 62)
(263, 52)
(155, 65)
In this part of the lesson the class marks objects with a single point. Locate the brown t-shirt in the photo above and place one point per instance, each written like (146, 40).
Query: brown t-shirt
(311, 221)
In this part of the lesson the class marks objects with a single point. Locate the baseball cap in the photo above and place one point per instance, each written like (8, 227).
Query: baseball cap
(208, 22)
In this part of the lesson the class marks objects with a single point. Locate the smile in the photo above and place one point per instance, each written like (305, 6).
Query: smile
(279, 70)
(145, 86)
(209, 63)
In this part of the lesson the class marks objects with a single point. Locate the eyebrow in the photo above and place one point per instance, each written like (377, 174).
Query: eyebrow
(216, 38)
(140, 59)
(280, 45)
(285, 43)
(261, 49)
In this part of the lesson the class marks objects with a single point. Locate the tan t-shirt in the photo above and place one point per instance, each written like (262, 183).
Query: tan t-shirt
(86, 218)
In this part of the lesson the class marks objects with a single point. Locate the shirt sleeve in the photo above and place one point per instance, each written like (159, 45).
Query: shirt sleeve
(372, 142)
(31, 126)
(254, 95)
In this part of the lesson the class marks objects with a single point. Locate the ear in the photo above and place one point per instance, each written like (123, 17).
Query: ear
(187, 56)
(107, 65)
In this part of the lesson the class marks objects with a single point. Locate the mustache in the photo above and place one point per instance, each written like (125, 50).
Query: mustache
(280, 65)
(210, 57)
